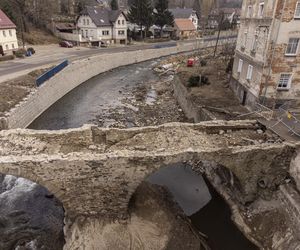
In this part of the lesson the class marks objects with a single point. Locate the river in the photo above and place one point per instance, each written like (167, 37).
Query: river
(208, 211)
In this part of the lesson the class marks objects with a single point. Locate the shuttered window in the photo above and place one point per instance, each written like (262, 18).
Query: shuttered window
(240, 66)
(292, 46)
(297, 11)
(249, 72)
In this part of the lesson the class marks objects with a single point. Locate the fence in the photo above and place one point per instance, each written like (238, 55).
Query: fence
(279, 119)
(288, 119)
(46, 76)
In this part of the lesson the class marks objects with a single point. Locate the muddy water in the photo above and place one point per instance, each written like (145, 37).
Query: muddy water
(208, 212)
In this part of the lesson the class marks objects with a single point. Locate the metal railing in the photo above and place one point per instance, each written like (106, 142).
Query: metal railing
(288, 119)
(262, 111)
(50, 73)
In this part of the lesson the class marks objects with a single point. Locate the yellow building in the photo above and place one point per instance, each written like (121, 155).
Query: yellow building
(8, 35)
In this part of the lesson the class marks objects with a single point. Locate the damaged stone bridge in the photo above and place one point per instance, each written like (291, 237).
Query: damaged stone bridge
(94, 171)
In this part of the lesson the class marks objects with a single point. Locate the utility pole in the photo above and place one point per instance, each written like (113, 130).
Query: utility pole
(219, 31)
(22, 32)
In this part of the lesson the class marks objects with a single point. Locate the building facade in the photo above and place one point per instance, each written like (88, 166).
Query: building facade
(267, 60)
(8, 34)
(102, 25)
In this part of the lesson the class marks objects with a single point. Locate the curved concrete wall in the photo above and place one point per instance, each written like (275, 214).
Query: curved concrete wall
(79, 72)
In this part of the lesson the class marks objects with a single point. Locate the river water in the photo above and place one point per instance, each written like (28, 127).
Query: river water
(208, 211)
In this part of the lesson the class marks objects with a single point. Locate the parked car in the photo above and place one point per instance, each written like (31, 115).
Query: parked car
(31, 50)
(66, 44)
(103, 44)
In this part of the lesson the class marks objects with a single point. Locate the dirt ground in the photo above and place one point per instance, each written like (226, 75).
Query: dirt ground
(13, 91)
(39, 37)
(217, 97)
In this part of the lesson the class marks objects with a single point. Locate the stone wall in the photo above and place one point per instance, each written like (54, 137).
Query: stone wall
(79, 72)
(107, 165)
(295, 168)
(95, 171)
(191, 111)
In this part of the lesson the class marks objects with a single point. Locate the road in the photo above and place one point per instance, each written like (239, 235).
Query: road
(50, 55)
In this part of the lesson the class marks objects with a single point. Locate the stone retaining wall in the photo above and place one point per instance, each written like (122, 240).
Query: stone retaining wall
(192, 111)
(79, 72)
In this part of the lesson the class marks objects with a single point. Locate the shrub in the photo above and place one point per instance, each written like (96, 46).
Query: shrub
(20, 53)
(193, 81)
(6, 58)
(203, 63)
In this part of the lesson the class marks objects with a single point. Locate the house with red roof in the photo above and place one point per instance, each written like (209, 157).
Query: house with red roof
(8, 34)
(185, 28)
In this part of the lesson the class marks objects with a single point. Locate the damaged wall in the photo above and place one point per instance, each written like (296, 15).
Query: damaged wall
(95, 171)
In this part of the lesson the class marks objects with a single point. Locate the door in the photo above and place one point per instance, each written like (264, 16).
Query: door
(244, 98)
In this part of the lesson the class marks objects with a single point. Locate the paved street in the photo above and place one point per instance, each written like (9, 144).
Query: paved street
(53, 54)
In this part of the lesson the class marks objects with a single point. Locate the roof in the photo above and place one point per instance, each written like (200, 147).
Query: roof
(184, 24)
(5, 22)
(100, 16)
(182, 13)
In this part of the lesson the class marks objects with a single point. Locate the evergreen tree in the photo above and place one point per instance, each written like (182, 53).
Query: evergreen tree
(162, 16)
(141, 13)
(114, 5)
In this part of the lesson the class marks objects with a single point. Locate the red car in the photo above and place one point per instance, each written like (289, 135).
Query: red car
(66, 44)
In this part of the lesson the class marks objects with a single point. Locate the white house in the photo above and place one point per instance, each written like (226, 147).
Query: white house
(186, 13)
(8, 34)
(97, 24)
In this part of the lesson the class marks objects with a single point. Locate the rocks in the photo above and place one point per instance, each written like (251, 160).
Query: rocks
(155, 222)
(260, 131)
(29, 220)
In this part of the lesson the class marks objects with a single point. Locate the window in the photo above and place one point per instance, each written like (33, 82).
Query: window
(297, 10)
(249, 72)
(292, 47)
(82, 33)
(105, 32)
(86, 33)
(245, 39)
(123, 22)
(87, 22)
(6, 46)
(83, 21)
(240, 66)
(254, 43)
(119, 22)
(249, 12)
(10, 33)
(284, 81)
(13, 46)
(4, 33)
(121, 32)
(261, 9)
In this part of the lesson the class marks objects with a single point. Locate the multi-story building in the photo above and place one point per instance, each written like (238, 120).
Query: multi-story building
(8, 36)
(96, 24)
(267, 60)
